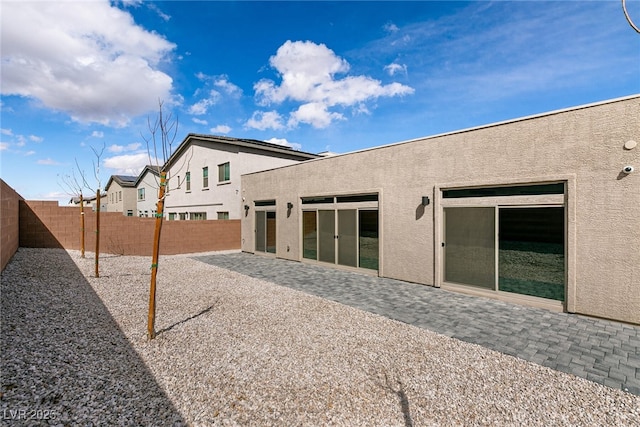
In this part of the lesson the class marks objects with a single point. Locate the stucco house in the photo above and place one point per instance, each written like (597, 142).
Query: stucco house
(90, 201)
(121, 194)
(541, 210)
(147, 185)
(204, 174)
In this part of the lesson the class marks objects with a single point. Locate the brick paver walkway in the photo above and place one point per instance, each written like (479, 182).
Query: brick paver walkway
(602, 351)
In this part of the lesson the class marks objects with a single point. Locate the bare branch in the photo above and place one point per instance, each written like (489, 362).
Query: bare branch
(96, 164)
(72, 184)
(187, 162)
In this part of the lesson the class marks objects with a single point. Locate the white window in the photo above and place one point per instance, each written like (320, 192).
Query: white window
(205, 177)
(223, 215)
(194, 216)
(224, 172)
(140, 194)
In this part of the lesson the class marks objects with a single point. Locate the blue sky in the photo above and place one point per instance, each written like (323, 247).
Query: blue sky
(317, 76)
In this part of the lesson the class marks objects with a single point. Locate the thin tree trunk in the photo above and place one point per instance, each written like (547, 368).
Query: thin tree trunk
(81, 226)
(154, 262)
(97, 232)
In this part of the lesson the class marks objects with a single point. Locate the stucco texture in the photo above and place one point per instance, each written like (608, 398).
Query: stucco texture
(583, 146)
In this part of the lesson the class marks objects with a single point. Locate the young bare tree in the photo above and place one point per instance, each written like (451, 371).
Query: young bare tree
(74, 185)
(96, 170)
(162, 135)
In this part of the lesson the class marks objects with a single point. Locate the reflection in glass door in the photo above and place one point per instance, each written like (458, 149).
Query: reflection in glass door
(368, 239)
(271, 232)
(309, 235)
(531, 251)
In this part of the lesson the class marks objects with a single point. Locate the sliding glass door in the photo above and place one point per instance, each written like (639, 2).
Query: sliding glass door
(517, 249)
(368, 239)
(470, 246)
(326, 233)
(346, 237)
(531, 251)
(266, 231)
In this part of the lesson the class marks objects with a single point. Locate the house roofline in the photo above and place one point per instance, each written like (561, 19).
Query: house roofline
(466, 130)
(120, 181)
(239, 142)
(154, 169)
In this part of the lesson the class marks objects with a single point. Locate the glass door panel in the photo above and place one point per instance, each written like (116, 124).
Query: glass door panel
(260, 231)
(368, 239)
(271, 232)
(531, 251)
(347, 238)
(326, 233)
(469, 255)
(309, 235)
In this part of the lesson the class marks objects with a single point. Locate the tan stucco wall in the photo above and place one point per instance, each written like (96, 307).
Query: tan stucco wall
(583, 145)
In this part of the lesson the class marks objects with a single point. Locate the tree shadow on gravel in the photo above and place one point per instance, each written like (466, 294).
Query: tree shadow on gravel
(63, 358)
(398, 390)
(203, 312)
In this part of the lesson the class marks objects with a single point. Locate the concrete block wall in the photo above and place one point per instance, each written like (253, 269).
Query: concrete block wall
(44, 224)
(9, 222)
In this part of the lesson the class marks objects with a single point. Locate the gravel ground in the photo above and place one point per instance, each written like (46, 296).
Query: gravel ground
(233, 350)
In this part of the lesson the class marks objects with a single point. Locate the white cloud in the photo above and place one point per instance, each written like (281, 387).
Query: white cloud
(390, 27)
(4, 146)
(127, 164)
(284, 142)
(30, 153)
(199, 121)
(153, 6)
(35, 138)
(223, 129)
(115, 148)
(308, 71)
(315, 114)
(92, 50)
(263, 120)
(7, 132)
(201, 107)
(48, 161)
(396, 68)
(97, 134)
(224, 88)
(229, 88)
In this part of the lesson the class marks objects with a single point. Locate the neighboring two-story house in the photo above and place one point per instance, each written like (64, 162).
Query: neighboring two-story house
(204, 174)
(147, 186)
(121, 194)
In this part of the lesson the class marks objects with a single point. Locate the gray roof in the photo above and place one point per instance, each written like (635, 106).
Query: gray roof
(122, 180)
(240, 142)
